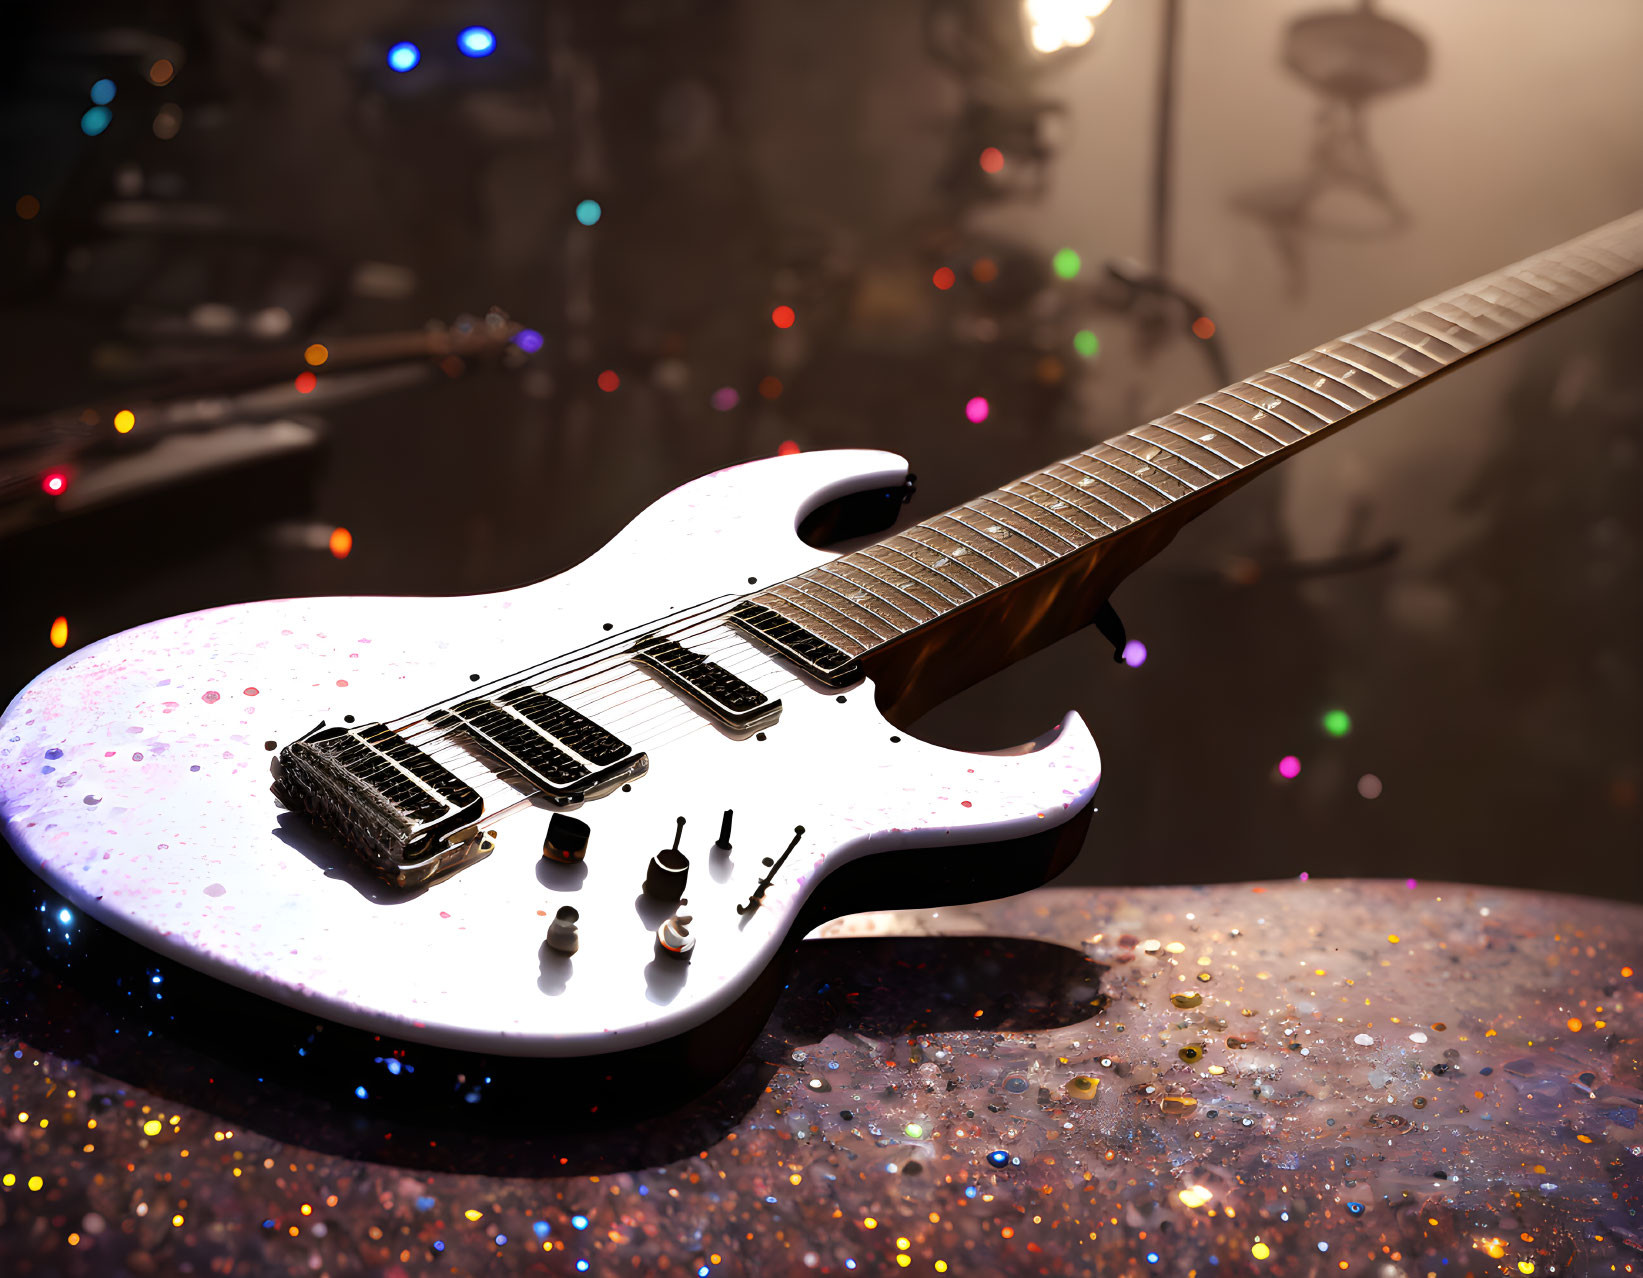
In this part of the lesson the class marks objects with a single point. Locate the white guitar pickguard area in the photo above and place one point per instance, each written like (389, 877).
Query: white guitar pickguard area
(134, 778)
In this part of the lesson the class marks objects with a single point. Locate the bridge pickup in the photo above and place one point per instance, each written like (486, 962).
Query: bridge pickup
(559, 750)
(729, 699)
(388, 800)
(816, 657)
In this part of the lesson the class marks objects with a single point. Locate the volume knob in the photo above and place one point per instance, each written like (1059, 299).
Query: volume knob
(567, 839)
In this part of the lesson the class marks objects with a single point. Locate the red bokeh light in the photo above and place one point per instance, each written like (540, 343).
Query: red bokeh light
(54, 482)
(608, 380)
(783, 317)
(992, 160)
(305, 382)
(943, 278)
(786, 448)
(1203, 327)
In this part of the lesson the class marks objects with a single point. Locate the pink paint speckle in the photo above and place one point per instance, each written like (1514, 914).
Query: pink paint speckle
(342, 683)
(1289, 767)
(250, 692)
(965, 803)
(977, 409)
(210, 697)
(1410, 884)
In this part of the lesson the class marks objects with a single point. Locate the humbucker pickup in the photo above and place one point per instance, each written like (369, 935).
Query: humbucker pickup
(729, 699)
(816, 657)
(562, 752)
(385, 798)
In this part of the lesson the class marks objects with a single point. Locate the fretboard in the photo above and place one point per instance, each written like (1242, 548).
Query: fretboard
(1174, 467)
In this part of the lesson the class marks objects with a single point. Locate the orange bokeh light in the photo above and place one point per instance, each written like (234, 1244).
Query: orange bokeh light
(992, 160)
(786, 448)
(317, 354)
(770, 387)
(1203, 327)
(59, 632)
(943, 278)
(341, 543)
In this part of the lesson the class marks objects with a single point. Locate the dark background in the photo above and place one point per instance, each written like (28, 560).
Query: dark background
(1460, 573)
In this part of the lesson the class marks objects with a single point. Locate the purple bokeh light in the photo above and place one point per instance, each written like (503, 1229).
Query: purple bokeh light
(726, 398)
(1135, 654)
(528, 340)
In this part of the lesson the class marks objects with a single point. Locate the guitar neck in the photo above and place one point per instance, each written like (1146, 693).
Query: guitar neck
(940, 604)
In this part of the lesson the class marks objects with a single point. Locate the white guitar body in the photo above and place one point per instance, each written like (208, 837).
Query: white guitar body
(135, 780)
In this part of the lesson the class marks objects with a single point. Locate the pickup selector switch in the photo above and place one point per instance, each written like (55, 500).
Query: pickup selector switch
(567, 839)
(669, 868)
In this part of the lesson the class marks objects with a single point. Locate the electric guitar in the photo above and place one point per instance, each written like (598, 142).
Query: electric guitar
(585, 818)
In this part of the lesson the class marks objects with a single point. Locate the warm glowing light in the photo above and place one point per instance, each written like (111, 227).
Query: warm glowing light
(1086, 343)
(28, 207)
(783, 317)
(161, 71)
(977, 409)
(54, 482)
(1061, 24)
(992, 160)
(1135, 654)
(786, 448)
(608, 380)
(1066, 263)
(1203, 327)
(316, 354)
(152, 1127)
(341, 543)
(305, 383)
(1195, 1196)
(770, 387)
(403, 57)
(1369, 786)
(125, 421)
(944, 278)
(1260, 1251)
(1289, 767)
(588, 212)
(59, 633)
(476, 42)
(985, 270)
(1575, 1025)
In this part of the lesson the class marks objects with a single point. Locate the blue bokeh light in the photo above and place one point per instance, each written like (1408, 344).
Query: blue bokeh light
(588, 212)
(102, 93)
(528, 340)
(477, 42)
(63, 916)
(403, 56)
(95, 120)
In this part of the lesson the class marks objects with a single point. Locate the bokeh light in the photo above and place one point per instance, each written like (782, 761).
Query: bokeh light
(95, 120)
(944, 278)
(528, 340)
(1066, 263)
(102, 93)
(977, 409)
(1337, 723)
(476, 42)
(985, 270)
(1086, 343)
(588, 212)
(54, 482)
(1289, 767)
(726, 398)
(161, 70)
(786, 448)
(1062, 24)
(608, 380)
(316, 354)
(125, 421)
(28, 207)
(305, 383)
(1135, 654)
(1369, 786)
(403, 57)
(341, 543)
(992, 160)
(1203, 328)
(770, 387)
(59, 632)
(783, 317)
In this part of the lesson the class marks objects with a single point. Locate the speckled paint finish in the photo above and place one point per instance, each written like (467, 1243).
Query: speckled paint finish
(136, 782)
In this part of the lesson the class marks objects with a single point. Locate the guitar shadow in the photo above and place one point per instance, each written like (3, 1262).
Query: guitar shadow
(337, 862)
(259, 1066)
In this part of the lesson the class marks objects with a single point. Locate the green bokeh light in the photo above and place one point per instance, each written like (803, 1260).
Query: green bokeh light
(1066, 263)
(1086, 343)
(915, 1130)
(1337, 723)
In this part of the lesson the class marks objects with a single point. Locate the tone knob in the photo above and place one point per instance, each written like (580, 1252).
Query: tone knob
(567, 839)
(669, 868)
(562, 931)
(673, 937)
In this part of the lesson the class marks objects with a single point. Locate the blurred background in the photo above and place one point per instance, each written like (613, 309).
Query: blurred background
(416, 297)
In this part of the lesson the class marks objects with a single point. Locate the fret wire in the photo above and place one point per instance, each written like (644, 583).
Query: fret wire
(1415, 339)
(1537, 300)
(1218, 443)
(1371, 363)
(996, 498)
(1132, 490)
(1254, 415)
(1256, 443)
(1563, 270)
(1369, 386)
(1074, 536)
(938, 601)
(1190, 454)
(824, 580)
(1051, 502)
(1029, 552)
(1047, 481)
(1155, 458)
(1593, 255)
(1160, 481)
(1034, 544)
(971, 555)
(849, 609)
(1536, 276)
(831, 616)
(960, 594)
(1405, 357)
(960, 563)
(1513, 319)
(914, 609)
(1462, 339)
(1490, 330)
(1113, 508)
(815, 624)
(1315, 406)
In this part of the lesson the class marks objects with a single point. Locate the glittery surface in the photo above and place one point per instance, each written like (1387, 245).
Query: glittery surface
(1311, 1078)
